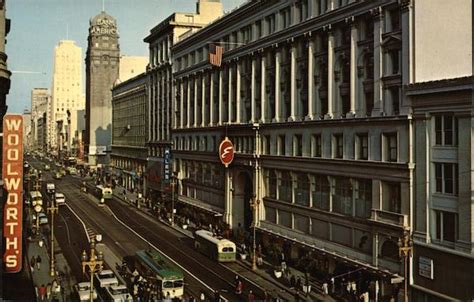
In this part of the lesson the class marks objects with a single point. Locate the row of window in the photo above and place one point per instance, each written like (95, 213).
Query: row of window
(286, 17)
(298, 145)
(352, 197)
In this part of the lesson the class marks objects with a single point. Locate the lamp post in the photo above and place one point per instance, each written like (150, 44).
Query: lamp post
(53, 208)
(94, 264)
(254, 202)
(405, 246)
(173, 184)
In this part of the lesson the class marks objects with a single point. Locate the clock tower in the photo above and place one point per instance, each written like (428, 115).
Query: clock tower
(102, 71)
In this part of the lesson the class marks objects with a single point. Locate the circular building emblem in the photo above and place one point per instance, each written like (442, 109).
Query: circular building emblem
(226, 152)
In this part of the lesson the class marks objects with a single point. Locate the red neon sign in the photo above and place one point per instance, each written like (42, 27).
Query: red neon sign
(13, 184)
(226, 152)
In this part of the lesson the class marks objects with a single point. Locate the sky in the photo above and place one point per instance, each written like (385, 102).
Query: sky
(37, 26)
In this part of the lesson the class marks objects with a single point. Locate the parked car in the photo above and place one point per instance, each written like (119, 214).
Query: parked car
(118, 293)
(60, 199)
(43, 219)
(72, 170)
(106, 278)
(83, 290)
(57, 175)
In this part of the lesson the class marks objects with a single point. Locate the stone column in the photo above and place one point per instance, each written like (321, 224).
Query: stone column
(353, 71)
(203, 100)
(188, 96)
(182, 112)
(293, 97)
(330, 75)
(220, 98)
(263, 91)
(253, 93)
(378, 61)
(407, 54)
(311, 98)
(238, 98)
(276, 118)
(196, 81)
(211, 98)
(230, 95)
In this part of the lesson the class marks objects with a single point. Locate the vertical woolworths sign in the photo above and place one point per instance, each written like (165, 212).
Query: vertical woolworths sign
(13, 184)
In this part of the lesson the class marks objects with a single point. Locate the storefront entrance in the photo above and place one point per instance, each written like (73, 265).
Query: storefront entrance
(243, 192)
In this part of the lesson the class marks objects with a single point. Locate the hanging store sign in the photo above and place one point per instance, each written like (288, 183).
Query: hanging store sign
(226, 152)
(13, 184)
(167, 166)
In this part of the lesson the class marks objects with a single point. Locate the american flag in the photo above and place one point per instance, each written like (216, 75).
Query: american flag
(215, 54)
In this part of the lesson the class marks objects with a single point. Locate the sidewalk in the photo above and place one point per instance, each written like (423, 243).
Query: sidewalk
(263, 275)
(42, 275)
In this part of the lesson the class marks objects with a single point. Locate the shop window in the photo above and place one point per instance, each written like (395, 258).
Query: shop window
(285, 187)
(284, 219)
(302, 190)
(363, 204)
(446, 226)
(342, 198)
(446, 128)
(446, 175)
(272, 184)
(321, 191)
(270, 215)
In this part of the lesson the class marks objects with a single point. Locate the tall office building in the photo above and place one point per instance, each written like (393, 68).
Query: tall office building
(102, 70)
(39, 105)
(67, 96)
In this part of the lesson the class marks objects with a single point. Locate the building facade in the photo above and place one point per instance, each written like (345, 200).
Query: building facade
(40, 99)
(131, 66)
(160, 85)
(129, 120)
(310, 93)
(102, 71)
(27, 131)
(443, 259)
(66, 96)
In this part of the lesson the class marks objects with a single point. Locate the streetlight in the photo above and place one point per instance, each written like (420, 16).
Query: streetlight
(94, 264)
(53, 208)
(173, 184)
(405, 246)
(254, 202)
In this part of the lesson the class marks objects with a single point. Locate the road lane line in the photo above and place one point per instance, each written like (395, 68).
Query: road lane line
(82, 222)
(152, 245)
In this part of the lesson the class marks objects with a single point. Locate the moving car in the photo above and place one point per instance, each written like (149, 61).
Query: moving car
(50, 188)
(60, 199)
(106, 278)
(118, 293)
(72, 170)
(43, 219)
(83, 290)
(57, 175)
(47, 167)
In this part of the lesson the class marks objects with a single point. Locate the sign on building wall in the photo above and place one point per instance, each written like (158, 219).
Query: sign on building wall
(167, 166)
(226, 152)
(13, 184)
(425, 267)
(97, 150)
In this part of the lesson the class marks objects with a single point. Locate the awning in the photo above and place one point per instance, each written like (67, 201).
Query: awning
(376, 270)
(216, 211)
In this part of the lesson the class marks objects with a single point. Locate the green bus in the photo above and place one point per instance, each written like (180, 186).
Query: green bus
(217, 248)
(103, 193)
(154, 267)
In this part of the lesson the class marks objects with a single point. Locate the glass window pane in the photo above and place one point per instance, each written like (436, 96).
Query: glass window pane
(449, 226)
(439, 178)
(448, 178)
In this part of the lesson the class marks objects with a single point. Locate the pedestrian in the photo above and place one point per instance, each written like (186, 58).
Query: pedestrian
(217, 296)
(251, 296)
(42, 292)
(238, 288)
(48, 291)
(282, 261)
(202, 296)
(364, 297)
(292, 281)
(38, 262)
(56, 288)
(32, 263)
(298, 283)
(297, 296)
(259, 255)
(325, 288)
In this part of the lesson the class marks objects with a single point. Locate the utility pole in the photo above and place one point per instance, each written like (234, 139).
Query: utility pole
(405, 246)
(94, 264)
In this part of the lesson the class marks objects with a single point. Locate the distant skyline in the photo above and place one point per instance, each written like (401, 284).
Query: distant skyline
(38, 26)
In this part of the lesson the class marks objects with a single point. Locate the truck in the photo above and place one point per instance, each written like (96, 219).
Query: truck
(50, 188)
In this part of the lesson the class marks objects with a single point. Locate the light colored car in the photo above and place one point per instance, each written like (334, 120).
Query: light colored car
(47, 167)
(118, 293)
(106, 278)
(72, 171)
(83, 290)
(60, 199)
(43, 219)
